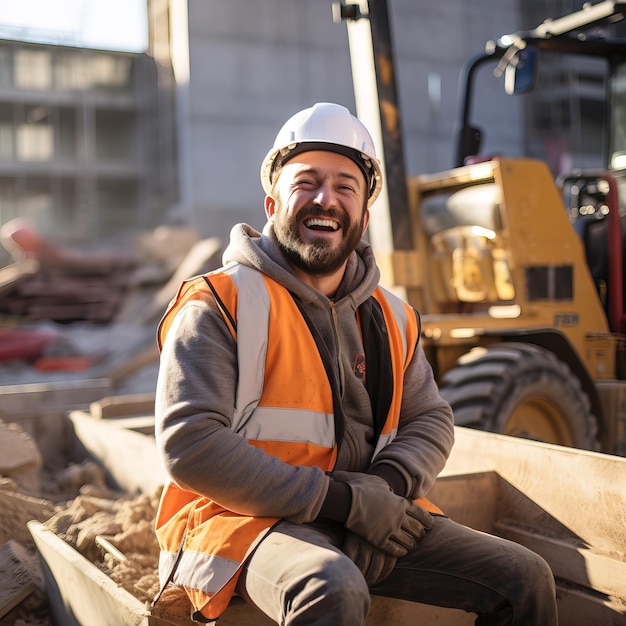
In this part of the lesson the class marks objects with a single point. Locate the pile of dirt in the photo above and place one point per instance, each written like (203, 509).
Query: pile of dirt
(113, 530)
(117, 535)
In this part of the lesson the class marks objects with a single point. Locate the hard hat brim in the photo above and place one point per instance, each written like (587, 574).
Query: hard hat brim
(276, 159)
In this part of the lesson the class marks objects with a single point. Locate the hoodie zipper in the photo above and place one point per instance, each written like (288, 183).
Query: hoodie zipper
(335, 324)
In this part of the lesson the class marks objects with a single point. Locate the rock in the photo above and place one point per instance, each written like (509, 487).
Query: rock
(20, 458)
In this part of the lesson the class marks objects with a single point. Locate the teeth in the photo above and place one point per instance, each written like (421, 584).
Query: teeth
(319, 222)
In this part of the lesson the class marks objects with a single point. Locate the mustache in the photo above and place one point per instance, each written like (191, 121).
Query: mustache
(314, 210)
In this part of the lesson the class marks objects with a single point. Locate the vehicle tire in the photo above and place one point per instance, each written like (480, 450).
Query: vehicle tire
(520, 390)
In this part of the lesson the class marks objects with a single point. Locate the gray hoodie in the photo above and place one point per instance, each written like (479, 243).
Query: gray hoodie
(196, 395)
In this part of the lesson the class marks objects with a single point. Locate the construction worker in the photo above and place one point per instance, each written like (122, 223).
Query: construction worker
(300, 423)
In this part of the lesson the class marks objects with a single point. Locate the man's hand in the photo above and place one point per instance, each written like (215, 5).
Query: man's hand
(374, 564)
(389, 522)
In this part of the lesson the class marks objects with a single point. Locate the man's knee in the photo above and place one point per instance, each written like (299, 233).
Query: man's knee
(532, 589)
(340, 581)
(336, 595)
(536, 573)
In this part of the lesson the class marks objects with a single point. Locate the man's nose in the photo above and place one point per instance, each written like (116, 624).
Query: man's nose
(326, 196)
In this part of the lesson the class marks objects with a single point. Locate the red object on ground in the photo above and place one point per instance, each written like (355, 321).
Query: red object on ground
(23, 343)
(65, 363)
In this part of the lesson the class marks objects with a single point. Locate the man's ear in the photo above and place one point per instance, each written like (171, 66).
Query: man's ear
(270, 207)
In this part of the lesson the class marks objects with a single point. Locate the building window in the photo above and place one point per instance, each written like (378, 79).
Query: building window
(34, 142)
(109, 72)
(33, 69)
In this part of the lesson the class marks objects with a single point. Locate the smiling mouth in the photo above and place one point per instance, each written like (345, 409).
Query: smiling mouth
(319, 224)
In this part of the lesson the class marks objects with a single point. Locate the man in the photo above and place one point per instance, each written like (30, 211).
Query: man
(300, 423)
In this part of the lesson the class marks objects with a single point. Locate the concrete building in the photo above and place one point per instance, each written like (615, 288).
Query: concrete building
(81, 152)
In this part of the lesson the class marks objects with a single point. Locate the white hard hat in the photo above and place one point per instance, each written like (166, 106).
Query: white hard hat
(324, 126)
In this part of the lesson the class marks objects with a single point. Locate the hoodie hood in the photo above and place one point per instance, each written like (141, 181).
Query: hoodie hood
(262, 252)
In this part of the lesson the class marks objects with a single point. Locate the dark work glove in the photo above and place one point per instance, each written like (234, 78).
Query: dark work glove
(389, 522)
(374, 564)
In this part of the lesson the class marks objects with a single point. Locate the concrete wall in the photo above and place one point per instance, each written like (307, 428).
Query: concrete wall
(242, 68)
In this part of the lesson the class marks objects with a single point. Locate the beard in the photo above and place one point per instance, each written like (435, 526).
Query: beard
(317, 257)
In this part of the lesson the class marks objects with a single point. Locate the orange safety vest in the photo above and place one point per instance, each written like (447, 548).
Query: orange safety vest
(203, 545)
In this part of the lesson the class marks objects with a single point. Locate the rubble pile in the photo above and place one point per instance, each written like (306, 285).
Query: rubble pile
(117, 535)
(113, 530)
(50, 283)
(46, 290)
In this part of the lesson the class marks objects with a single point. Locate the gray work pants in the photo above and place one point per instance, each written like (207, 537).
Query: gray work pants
(298, 575)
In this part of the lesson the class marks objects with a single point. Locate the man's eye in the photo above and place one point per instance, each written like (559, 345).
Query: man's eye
(346, 189)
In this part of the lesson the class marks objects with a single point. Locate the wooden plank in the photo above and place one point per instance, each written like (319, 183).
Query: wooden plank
(572, 562)
(123, 405)
(575, 607)
(79, 593)
(16, 509)
(385, 611)
(33, 399)
(12, 275)
(457, 496)
(16, 576)
(18, 451)
(584, 493)
(97, 312)
(176, 608)
(130, 458)
(139, 423)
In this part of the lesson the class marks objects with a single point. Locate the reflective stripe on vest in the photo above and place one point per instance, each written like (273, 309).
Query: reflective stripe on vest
(394, 309)
(197, 570)
(266, 423)
(203, 547)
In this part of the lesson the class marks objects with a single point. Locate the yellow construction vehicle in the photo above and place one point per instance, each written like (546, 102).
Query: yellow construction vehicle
(518, 278)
